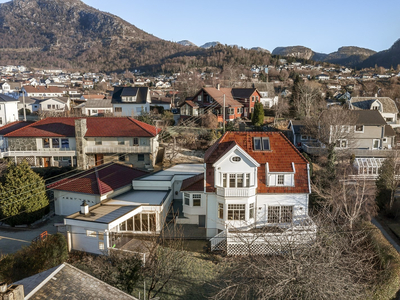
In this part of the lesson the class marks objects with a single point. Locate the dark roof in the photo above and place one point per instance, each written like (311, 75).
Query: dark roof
(190, 103)
(389, 131)
(193, 184)
(297, 125)
(139, 92)
(368, 117)
(5, 98)
(242, 93)
(99, 180)
(96, 127)
(68, 282)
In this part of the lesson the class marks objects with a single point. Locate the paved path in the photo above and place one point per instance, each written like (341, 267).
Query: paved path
(12, 239)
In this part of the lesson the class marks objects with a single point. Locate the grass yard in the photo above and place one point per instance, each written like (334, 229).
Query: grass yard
(197, 282)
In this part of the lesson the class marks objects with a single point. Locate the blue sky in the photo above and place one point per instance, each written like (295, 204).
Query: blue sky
(320, 25)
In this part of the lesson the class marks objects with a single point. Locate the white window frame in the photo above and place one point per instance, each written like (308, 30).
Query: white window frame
(196, 197)
(280, 179)
(304, 137)
(240, 209)
(384, 140)
(359, 131)
(91, 233)
(261, 139)
(220, 210)
(281, 210)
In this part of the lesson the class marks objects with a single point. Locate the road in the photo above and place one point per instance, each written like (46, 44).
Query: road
(13, 239)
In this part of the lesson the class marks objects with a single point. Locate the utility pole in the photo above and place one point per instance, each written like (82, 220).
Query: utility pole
(223, 114)
(23, 101)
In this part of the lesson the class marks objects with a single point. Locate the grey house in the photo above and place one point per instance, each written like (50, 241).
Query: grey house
(368, 136)
(130, 101)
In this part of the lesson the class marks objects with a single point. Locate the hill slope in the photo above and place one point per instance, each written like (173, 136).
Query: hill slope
(387, 58)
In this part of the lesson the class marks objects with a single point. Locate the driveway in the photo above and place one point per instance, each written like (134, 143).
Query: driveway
(13, 239)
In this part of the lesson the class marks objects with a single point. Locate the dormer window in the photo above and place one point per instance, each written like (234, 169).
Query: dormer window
(261, 143)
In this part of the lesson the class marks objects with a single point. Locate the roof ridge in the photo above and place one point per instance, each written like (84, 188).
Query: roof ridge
(24, 127)
(141, 126)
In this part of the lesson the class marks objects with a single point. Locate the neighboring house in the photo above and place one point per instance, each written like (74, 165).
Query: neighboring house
(95, 107)
(385, 105)
(189, 108)
(370, 136)
(142, 210)
(93, 186)
(296, 127)
(87, 84)
(65, 282)
(10, 127)
(130, 101)
(164, 102)
(248, 97)
(322, 77)
(8, 109)
(251, 180)
(92, 97)
(34, 104)
(211, 99)
(84, 142)
(42, 91)
(268, 101)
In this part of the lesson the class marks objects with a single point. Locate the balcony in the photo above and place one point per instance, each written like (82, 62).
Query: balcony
(118, 149)
(6, 152)
(236, 192)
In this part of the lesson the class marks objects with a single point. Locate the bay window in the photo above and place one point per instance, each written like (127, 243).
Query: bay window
(220, 210)
(236, 211)
(235, 180)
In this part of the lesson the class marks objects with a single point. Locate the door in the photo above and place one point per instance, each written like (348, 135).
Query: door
(99, 159)
(46, 162)
(376, 144)
(262, 213)
(202, 221)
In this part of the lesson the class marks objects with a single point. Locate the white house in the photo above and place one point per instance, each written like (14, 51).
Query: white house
(130, 101)
(268, 101)
(141, 210)
(8, 109)
(322, 77)
(95, 107)
(42, 91)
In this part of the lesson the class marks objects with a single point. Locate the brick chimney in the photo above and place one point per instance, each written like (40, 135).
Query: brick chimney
(14, 292)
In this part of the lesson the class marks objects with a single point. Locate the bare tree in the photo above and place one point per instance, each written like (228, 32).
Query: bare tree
(309, 102)
(281, 108)
(388, 181)
(339, 264)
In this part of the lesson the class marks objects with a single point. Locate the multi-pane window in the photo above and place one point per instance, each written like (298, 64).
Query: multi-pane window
(140, 157)
(236, 158)
(220, 210)
(187, 198)
(101, 246)
(56, 143)
(101, 235)
(251, 211)
(236, 180)
(280, 214)
(142, 222)
(118, 109)
(236, 211)
(97, 141)
(196, 199)
(261, 143)
(46, 143)
(341, 143)
(135, 141)
(281, 179)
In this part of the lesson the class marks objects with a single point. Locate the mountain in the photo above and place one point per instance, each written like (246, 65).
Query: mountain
(71, 34)
(260, 49)
(210, 44)
(349, 56)
(387, 58)
(186, 43)
(294, 51)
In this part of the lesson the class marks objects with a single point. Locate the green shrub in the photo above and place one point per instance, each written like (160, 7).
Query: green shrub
(38, 257)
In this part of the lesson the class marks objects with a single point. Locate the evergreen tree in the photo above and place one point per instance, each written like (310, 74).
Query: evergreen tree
(257, 117)
(23, 197)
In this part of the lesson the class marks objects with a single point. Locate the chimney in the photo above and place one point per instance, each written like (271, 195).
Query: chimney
(84, 208)
(14, 292)
(218, 86)
(376, 95)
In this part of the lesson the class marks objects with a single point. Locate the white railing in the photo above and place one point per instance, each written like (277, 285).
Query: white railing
(236, 192)
(217, 240)
(118, 149)
(37, 152)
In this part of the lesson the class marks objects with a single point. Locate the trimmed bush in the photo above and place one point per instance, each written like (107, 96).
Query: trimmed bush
(38, 257)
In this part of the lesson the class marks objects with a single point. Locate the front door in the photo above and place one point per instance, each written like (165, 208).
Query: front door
(99, 159)
(202, 221)
(46, 162)
(262, 213)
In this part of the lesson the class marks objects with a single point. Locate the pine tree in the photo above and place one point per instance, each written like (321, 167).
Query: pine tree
(257, 117)
(23, 198)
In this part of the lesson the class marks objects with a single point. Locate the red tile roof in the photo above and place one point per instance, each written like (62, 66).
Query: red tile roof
(96, 127)
(193, 184)
(99, 180)
(279, 158)
(13, 126)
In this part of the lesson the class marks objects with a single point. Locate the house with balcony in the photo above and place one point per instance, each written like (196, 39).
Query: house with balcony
(83, 142)
(252, 182)
(54, 104)
(42, 91)
(130, 101)
(385, 105)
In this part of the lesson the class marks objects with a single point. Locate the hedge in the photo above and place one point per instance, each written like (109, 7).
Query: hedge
(388, 282)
